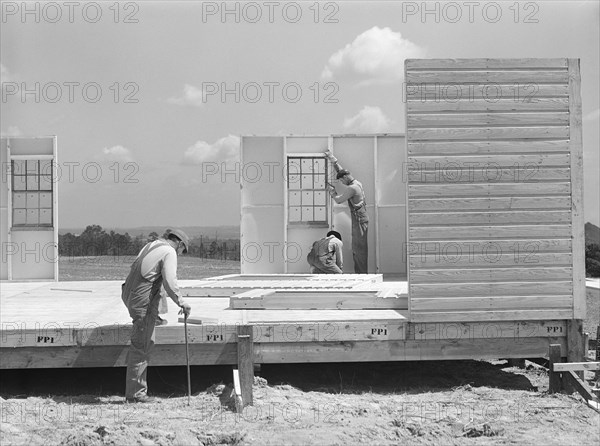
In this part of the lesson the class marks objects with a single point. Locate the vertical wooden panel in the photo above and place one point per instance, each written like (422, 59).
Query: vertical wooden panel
(540, 144)
(577, 226)
(245, 362)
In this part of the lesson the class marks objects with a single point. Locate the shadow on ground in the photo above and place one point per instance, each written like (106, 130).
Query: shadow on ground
(379, 377)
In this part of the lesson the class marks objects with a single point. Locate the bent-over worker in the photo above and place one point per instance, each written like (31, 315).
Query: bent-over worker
(355, 196)
(155, 266)
(325, 257)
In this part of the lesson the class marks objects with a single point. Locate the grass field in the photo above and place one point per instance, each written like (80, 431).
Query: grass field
(117, 268)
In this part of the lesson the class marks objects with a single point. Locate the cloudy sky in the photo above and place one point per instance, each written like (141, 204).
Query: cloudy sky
(147, 90)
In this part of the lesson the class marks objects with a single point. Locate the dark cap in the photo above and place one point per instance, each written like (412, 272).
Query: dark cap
(342, 173)
(335, 234)
(181, 236)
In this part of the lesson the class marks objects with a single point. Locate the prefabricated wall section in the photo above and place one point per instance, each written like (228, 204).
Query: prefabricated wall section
(495, 190)
(274, 239)
(28, 208)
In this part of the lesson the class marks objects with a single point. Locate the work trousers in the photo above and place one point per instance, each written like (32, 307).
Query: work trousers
(360, 247)
(142, 341)
(323, 268)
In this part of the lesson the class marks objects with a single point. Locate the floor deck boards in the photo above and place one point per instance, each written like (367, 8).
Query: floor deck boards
(85, 324)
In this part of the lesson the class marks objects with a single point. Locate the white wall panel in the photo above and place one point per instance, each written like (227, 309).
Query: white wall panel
(263, 155)
(33, 255)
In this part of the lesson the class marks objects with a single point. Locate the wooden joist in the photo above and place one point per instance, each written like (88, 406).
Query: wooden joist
(319, 300)
(576, 366)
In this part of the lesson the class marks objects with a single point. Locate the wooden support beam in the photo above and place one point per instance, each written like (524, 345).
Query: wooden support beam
(576, 366)
(245, 362)
(578, 384)
(575, 348)
(554, 385)
(597, 351)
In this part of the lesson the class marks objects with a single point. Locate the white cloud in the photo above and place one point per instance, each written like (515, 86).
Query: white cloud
(592, 116)
(12, 130)
(368, 120)
(375, 56)
(117, 153)
(191, 96)
(225, 149)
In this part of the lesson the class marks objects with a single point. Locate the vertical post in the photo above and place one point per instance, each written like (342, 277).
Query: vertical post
(9, 208)
(598, 351)
(285, 205)
(577, 217)
(54, 186)
(376, 202)
(245, 362)
(574, 347)
(554, 377)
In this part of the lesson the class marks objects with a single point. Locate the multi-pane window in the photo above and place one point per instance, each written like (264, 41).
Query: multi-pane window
(32, 192)
(307, 195)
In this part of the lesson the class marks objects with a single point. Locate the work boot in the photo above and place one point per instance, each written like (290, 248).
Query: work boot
(160, 321)
(141, 399)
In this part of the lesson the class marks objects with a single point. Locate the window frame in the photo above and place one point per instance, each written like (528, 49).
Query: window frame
(23, 177)
(300, 173)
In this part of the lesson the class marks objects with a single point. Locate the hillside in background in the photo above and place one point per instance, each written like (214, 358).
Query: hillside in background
(220, 232)
(592, 233)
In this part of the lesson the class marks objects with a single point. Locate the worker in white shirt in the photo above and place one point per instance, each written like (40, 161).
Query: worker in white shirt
(355, 196)
(155, 266)
(325, 257)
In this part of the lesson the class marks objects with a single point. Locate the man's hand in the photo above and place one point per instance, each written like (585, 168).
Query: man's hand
(185, 309)
(330, 189)
(330, 156)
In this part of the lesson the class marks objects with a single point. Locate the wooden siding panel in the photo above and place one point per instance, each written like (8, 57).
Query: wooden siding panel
(440, 290)
(576, 147)
(459, 257)
(490, 92)
(491, 274)
(487, 119)
(482, 105)
(492, 303)
(493, 157)
(492, 203)
(476, 190)
(488, 133)
(417, 233)
(456, 218)
(483, 63)
(449, 148)
(487, 76)
(492, 173)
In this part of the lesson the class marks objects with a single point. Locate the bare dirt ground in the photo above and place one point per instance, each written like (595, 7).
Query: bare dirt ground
(429, 403)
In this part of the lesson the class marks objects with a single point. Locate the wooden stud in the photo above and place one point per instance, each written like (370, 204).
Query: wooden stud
(576, 366)
(575, 349)
(554, 384)
(577, 383)
(597, 351)
(245, 362)
(577, 226)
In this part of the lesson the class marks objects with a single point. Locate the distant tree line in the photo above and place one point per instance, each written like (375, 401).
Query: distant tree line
(592, 260)
(95, 241)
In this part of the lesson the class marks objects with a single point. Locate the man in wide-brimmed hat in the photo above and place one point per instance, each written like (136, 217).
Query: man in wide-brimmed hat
(154, 267)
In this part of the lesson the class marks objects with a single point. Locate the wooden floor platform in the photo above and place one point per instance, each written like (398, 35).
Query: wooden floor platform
(293, 318)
